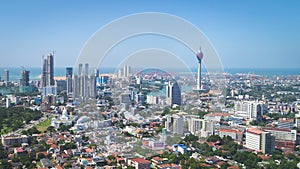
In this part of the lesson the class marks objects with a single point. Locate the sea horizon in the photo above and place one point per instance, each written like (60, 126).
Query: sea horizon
(35, 72)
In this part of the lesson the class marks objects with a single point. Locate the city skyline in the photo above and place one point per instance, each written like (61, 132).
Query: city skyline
(261, 34)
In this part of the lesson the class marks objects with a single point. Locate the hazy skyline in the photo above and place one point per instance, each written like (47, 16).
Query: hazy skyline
(250, 34)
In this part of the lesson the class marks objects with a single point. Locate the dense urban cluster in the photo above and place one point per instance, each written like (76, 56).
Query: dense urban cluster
(148, 119)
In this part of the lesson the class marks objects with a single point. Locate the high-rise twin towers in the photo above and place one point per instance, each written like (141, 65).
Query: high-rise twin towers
(81, 85)
(84, 85)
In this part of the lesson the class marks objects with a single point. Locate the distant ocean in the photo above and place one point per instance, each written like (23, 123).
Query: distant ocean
(35, 73)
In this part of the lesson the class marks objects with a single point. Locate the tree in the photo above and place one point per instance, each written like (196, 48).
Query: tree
(166, 111)
(5, 164)
(224, 165)
(214, 138)
(64, 127)
(201, 114)
(249, 159)
(51, 129)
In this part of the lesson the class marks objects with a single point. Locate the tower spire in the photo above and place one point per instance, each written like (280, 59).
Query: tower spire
(199, 56)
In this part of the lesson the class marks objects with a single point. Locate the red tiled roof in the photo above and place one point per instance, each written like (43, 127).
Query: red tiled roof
(58, 167)
(286, 120)
(254, 131)
(217, 114)
(263, 157)
(229, 131)
(140, 160)
(88, 150)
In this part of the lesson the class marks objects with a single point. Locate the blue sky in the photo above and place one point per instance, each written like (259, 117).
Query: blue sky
(250, 34)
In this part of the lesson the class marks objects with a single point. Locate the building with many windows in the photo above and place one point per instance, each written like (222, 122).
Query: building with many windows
(174, 124)
(284, 138)
(286, 123)
(260, 140)
(173, 94)
(250, 109)
(69, 77)
(235, 134)
(8, 140)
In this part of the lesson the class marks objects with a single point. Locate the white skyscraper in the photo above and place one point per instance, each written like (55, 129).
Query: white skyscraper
(84, 85)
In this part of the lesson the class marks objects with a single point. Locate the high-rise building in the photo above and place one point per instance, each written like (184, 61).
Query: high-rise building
(257, 139)
(76, 86)
(174, 124)
(201, 127)
(84, 85)
(96, 73)
(125, 100)
(173, 94)
(25, 78)
(250, 109)
(6, 75)
(195, 125)
(80, 69)
(199, 56)
(48, 71)
(140, 99)
(92, 86)
(126, 71)
(69, 79)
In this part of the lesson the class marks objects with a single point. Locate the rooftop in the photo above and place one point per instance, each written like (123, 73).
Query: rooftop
(225, 130)
(291, 120)
(218, 114)
(254, 131)
(140, 160)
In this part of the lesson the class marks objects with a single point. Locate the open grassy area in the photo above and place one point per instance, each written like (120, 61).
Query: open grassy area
(42, 126)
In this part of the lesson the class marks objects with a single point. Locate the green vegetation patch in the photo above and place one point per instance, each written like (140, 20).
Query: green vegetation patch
(42, 126)
(13, 118)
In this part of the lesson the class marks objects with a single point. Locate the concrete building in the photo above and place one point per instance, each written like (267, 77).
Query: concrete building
(195, 125)
(8, 103)
(6, 75)
(125, 98)
(84, 85)
(139, 163)
(250, 109)
(25, 78)
(126, 71)
(69, 80)
(235, 134)
(8, 140)
(174, 124)
(173, 94)
(286, 123)
(140, 99)
(156, 144)
(217, 116)
(48, 71)
(179, 148)
(284, 138)
(260, 140)
(152, 99)
(201, 127)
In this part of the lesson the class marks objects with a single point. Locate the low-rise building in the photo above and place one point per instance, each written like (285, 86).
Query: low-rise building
(284, 138)
(139, 163)
(8, 140)
(286, 123)
(235, 134)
